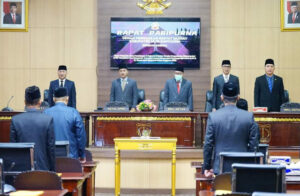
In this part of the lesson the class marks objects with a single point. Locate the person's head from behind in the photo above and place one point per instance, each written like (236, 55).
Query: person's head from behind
(269, 67)
(61, 95)
(242, 104)
(226, 67)
(123, 71)
(13, 8)
(178, 73)
(229, 93)
(294, 7)
(62, 72)
(32, 97)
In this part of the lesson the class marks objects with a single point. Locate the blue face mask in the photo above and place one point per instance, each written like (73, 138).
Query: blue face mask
(178, 77)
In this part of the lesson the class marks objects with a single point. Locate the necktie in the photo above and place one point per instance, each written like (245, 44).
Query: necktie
(14, 19)
(123, 84)
(178, 87)
(61, 83)
(294, 17)
(270, 84)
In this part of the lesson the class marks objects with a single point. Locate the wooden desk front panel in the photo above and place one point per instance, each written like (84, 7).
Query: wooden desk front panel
(109, 126)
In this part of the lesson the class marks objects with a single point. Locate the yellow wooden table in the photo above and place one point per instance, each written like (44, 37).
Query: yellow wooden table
(125, 143)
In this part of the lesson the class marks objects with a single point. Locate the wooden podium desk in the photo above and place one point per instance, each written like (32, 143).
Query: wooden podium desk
(108, 125)
(73, 182)
(5, 120)
(280, 130)
(39, 192)
(144, 144)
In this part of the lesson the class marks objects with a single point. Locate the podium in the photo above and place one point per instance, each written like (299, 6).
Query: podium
(144, 144)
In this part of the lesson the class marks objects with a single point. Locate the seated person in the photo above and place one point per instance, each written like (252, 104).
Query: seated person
(124, 89)
(179, 89)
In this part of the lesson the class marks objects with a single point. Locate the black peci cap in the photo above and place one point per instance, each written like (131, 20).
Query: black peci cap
(62, 67)
(123, 67)
(230, 89)
(269, 61)
(179, 68)
(226, 63)
(32, 93)
(60, 92)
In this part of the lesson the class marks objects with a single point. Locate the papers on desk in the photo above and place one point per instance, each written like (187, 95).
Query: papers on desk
(293, 169)
(26, 193)
(144, 137)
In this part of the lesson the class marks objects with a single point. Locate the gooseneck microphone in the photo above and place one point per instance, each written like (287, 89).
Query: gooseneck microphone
(8, 109)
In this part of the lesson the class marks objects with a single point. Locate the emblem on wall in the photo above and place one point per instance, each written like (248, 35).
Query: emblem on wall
(154, 7)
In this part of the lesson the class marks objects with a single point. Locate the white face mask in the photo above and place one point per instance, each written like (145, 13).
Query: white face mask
(178, 77)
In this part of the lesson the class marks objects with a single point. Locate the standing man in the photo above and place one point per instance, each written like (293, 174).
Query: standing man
(179, 89)
(220, 80)
(229, 129)
(68, 125)
(124, 89)
(294, 17)
(36, 127)
(63, 82)
(12, 17)
(269, 90)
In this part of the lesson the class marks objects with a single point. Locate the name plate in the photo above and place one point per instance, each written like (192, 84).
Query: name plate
(292, 110)
(116, 109)
(176, 109)
(260, 109)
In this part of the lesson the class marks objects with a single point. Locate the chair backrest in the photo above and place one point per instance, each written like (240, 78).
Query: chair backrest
(208, 102)
(65, 164)
(1, 177)
(61, 148)
(88, 155)
(37, 180)
(46, 95)
(254, 177)
(263, 148)
(286, 97)
(161, 100)
(223, 182)
(228, 158)
(141, 95)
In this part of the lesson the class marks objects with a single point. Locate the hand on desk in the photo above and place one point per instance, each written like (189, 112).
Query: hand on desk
(209, 173)
(82, 160)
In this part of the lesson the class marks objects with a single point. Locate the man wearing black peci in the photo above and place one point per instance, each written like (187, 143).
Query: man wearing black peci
(35, 127)
(269, 90)
(229, 129)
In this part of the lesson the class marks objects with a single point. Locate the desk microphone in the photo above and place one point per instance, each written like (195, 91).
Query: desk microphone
(8, 109)
(12, 165)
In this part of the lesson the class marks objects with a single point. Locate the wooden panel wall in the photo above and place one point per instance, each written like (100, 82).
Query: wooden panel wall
(60, 32)
(248, 32)
(153, 81)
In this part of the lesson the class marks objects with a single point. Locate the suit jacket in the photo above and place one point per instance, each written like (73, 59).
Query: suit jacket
(264, 98)
(185, 95)
(290, 18)
(70, 85)
(229, 129)
(129, 95)
(7, 19)
(36, 127)
(218, 87)
(68, 126)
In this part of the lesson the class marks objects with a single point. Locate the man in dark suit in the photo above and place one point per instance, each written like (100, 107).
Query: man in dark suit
(269, 90)
(63, 82)
(12, 17)
(68, 124)
(179, 89)
(229, 129)
(124, 89)
(219, 82)
(294, 16)
(35, 127)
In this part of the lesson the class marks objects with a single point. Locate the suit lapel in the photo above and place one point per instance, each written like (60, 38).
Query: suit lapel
(266, 83)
